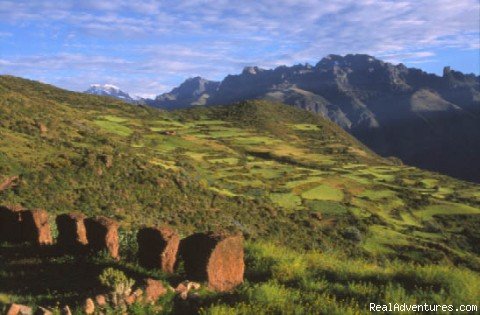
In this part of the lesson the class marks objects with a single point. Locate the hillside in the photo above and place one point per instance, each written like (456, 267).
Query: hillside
(426, 120)
(320, 212)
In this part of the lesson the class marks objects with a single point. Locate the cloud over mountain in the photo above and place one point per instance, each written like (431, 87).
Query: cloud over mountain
(159, 43)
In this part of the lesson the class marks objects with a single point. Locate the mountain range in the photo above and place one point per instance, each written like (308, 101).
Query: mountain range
(426, 120)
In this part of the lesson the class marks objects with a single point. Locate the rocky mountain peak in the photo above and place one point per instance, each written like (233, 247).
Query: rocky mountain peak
(110, 90)
(383, 104)
(252, 70)
(193, 91)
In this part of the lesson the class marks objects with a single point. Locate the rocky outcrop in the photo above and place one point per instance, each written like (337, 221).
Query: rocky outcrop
(72, 234)
(101, 300)
(17, 309)
(43, 128)
(35, 227)
(217, 258)
(184, 288)
(214, 257)
(102, 234)
(107, 160)
(89, 306)
(154, 289)
(157, 248)
(192, 92)
(19, 225)
(11, 224)
(9, 182)
(386, 106)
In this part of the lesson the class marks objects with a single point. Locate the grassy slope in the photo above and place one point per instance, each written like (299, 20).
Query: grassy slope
(268, 170)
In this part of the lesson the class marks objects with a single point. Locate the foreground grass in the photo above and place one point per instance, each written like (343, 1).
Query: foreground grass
(278, 281)
(282, 281)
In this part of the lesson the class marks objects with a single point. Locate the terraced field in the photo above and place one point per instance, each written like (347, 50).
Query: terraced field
(297, 171)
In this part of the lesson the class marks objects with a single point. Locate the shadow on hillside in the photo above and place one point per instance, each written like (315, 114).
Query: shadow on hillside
(47, 275)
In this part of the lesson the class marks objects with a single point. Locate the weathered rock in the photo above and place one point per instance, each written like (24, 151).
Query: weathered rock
(43, 128)
(214, 257)
(101, 300)
(130, 299)
(138, 293)
(89, 306)
(35, 227)
(9, 182)
(66, 310)
(107, 160)
(158, 247)
(72, 234)
(102, 234)
(185, 287)
(11, 224)
(154, 289)
(18, 309)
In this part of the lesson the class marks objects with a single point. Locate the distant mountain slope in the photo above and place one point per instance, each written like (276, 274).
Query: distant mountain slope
(426, 120)
(194, 91)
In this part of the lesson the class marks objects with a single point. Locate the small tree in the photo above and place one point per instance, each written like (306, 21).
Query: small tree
(119, 284)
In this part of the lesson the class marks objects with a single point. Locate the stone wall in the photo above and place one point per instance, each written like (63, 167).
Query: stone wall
(216, 258)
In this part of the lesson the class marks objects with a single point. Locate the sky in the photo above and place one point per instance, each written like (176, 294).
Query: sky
(148, 47)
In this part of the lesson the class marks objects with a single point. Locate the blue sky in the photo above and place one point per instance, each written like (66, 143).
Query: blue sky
(148, 47)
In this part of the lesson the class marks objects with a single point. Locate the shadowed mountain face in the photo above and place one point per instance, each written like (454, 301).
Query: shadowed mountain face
(194, 91)
(426, 120)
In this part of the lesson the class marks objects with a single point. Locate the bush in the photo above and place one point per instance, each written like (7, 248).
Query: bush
(116, 281)
(353, 234)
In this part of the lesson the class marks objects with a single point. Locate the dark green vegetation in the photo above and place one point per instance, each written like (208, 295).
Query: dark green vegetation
(330, 225)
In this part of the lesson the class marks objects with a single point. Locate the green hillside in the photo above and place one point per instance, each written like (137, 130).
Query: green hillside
(320, 212)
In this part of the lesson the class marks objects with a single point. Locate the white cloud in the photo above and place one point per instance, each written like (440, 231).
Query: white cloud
(156, 44)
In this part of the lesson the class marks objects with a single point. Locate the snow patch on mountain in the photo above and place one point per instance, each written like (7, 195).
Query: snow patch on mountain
(112, 91)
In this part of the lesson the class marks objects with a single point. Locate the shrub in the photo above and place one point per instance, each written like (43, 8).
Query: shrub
(353, 234)
(116, 281)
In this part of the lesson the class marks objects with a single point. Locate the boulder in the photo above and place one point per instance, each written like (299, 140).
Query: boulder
(101, 300)
(72, 234)
(17, 309)
(185, 287)
(130, 299)
(43, 128)
(89, 306)
(157, 248)
(102, 234)
(217, 258)
(66, 310)
(9, 182)
(154, 289)
(10, 224)
(107, 160)
(35, 227)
